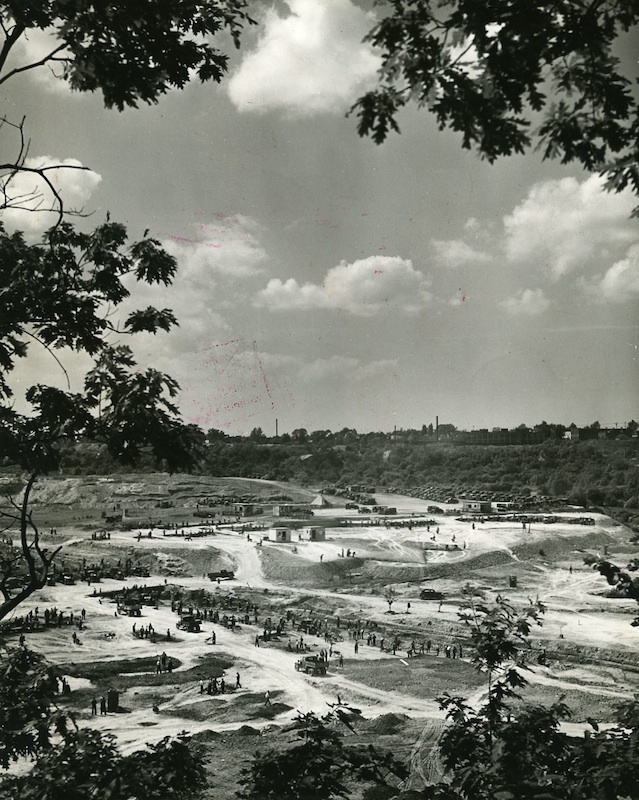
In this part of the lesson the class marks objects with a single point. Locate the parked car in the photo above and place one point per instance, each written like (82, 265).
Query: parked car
(430, 594)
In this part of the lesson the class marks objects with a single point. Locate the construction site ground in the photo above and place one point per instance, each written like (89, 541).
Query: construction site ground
(590, 647)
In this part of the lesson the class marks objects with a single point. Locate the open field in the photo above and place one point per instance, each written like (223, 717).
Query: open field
(591, 647)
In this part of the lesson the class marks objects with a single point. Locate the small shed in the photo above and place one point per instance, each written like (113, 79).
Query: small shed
(281, 535)
(244, 509)
(476, 506)
(313, 533)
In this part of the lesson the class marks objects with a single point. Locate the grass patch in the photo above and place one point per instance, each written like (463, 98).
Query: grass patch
(117, 674)
(425, 677)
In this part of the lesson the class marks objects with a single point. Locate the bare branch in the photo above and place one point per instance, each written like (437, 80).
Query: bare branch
(35, 64)
(51, 353)
(57, 206)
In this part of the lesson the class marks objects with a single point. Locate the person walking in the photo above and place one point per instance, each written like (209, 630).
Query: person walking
(103, 706)
(94, 707)
(267, 698)
(238, 685)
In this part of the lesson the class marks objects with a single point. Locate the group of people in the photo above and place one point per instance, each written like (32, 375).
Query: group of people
(163, 663)
(215, 686)
(146, 632)
(51, 617)
(94, 706)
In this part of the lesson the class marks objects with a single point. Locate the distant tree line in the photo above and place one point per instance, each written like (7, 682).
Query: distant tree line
(595, 472)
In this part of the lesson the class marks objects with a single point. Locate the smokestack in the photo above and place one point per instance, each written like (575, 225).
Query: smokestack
(276, 427)
(436, 429)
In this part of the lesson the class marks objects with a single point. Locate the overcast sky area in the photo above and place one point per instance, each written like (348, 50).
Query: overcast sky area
(325, 281)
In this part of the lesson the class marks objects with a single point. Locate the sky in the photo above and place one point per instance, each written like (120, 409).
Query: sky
(327, 282)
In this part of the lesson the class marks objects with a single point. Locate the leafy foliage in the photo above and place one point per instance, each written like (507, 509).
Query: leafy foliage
(320, 765)
(494, 70)
(62, 294)
(132, 57)
(72, 764)
(28, 716)
(88, 764)
(493, 749)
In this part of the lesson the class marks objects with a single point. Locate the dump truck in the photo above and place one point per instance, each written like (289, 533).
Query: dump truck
(189, 623)
(312, 665)
(222, 575)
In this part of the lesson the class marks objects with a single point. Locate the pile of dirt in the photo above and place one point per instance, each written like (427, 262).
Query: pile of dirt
(195, 561)
(554, 546)
(283, 567)
(247, 730)
(172, 566)
(380, 572)
(387, 724)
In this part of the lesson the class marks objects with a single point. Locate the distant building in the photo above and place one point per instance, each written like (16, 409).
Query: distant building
(244, 509)
(281, 535)
(313, 533)
(476, 506)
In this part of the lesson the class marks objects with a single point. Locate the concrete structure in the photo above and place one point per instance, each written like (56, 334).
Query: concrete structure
(313, 533)
(281, 535)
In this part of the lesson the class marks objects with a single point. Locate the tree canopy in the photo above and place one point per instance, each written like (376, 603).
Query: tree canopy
(130, 57)
(509, 76)
(63, 293)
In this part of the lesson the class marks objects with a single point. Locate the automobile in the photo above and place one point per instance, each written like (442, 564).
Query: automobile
(189, 623)
(312, 665)
(430, 594)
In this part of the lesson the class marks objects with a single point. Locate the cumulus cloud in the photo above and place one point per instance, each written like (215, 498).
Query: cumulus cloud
(527, 302)
(620, 284)
(229, 246)
(455, 253)
(210, 260)
(364, 288)
(30, 196)
(563, 224)
(311, 61)
(34, 46)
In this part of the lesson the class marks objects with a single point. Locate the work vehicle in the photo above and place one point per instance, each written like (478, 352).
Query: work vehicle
(312, 665)
(189, 623)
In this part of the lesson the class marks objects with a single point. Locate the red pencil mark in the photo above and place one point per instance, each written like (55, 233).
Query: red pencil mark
(377, 271)
(268, 388)
(182, 239)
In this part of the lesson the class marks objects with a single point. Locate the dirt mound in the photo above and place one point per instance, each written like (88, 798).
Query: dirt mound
(184, 562)
(380, 572)
(247, 730)
(387, 724)
(284, 567)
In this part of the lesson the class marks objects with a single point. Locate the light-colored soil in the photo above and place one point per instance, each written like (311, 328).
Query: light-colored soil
(592, 648)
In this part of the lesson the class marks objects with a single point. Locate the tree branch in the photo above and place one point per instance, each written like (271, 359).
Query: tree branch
(10, 40)
(35, 64)
(51, 353)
